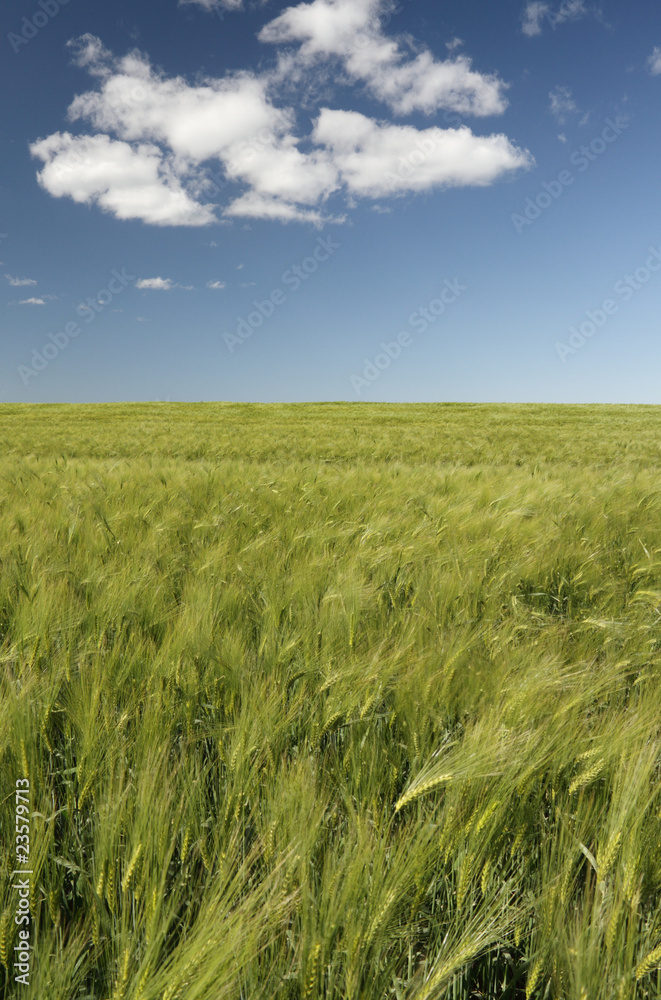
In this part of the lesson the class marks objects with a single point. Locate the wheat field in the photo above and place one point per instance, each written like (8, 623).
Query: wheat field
(340, 701)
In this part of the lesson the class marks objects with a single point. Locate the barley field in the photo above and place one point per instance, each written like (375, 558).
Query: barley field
(340, 701)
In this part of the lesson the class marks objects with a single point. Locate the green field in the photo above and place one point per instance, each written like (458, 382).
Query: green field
(340, 701)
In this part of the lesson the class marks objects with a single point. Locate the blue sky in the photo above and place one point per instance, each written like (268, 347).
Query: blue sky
(337, 200)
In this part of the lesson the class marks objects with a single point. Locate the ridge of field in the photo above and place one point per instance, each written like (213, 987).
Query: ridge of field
(340, 701)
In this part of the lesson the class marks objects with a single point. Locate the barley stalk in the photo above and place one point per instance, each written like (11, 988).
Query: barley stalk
(328, 725)
(611, 930)
(110, 886)
(380, 916)
(464, 878)
(518, 840)
(566, 882)
(44, 732)
(534, 977)
(269, 849)
(5, 937)
(101, 881)
(131, 870)
(96, 922)
(648, 964)
(518, 932)
(587, 776)
(204, 852)
(313, 965)
(24, 761)
(416, 791)
(85, 792)
(369, 705)
(630, 877)
(122, 981)
(605, 863)
(486, 816)
(484, 878)
(186, 845)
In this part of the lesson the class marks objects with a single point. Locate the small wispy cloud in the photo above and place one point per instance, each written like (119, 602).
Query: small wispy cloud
(533, 16)
(562, 104)
(161, 285)
(211, 5)
(537, 11)
(18, 282)
(215, 284)
(32, 302)
(155, 284)
(654, 61)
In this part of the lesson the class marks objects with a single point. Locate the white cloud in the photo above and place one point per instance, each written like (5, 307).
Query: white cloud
(654, 61)
(215, 284)
(536, 12)
(349, 30)
(211, 5)
(376, 160)
(161, 285)
(533, 16)
(195, 122)
(130, 182)
(562, 104)
(254, 205)
(154, 134)
(17, 282)
(156, 284)
(32, 302)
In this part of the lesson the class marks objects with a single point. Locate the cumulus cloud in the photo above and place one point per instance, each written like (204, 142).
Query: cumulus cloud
(195, 121)
(131, 182)
(654, 61)
(350, 31)
(32, 302)
(17, 282)
(215, 284)
(155, 138)
(376, 160)
(536, 12)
